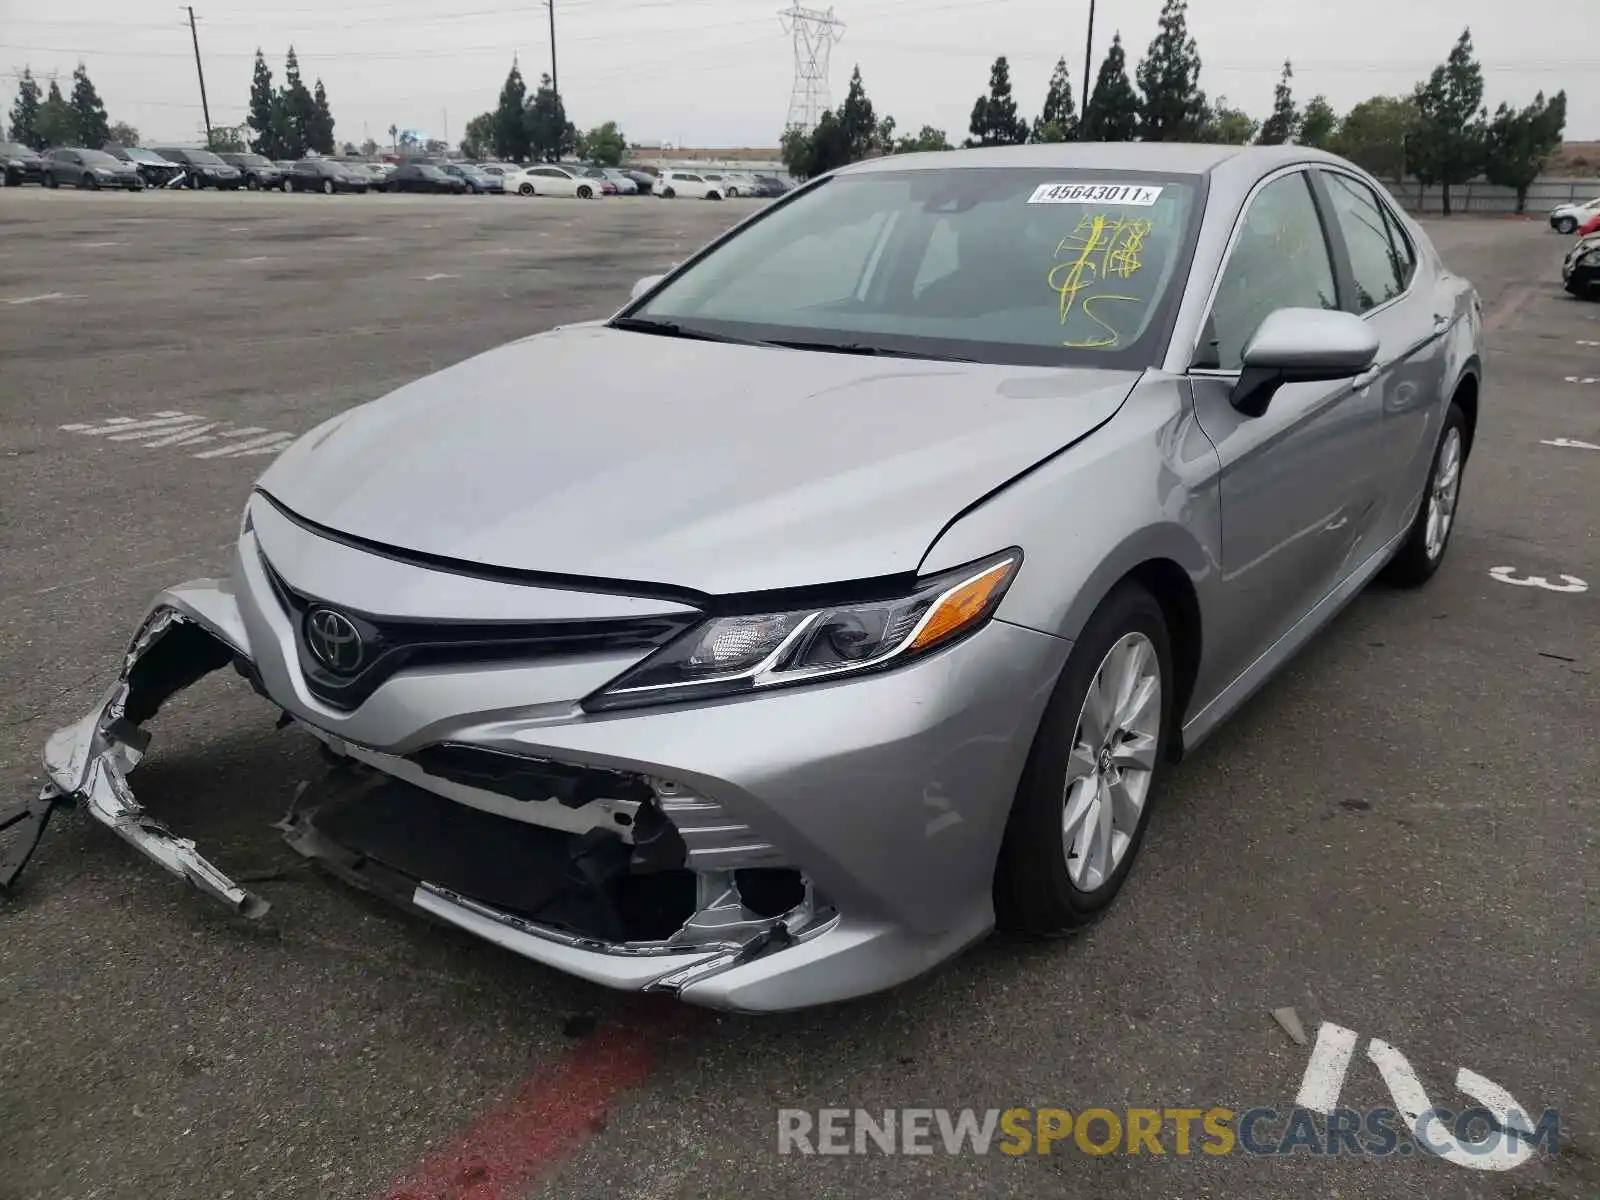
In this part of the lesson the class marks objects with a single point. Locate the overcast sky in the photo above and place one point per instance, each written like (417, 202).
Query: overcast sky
(719, 72)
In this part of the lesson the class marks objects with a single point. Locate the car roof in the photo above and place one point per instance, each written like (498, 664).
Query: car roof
(1177, 158)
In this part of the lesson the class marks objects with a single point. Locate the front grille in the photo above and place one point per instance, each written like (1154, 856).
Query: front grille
(391, 645)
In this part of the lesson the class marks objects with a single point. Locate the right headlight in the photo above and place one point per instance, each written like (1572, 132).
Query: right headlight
(745, 653)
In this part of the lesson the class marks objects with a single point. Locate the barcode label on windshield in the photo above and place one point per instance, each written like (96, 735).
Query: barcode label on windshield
(1095, 193)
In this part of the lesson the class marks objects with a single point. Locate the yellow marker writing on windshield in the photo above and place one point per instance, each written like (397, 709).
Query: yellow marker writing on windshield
(1102, 247)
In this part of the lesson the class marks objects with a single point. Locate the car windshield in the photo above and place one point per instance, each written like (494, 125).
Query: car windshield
(97, 158)
(251, 160)
(205, 158)
(988, 264)
(13, 150)
(139, 154)
(431, 172)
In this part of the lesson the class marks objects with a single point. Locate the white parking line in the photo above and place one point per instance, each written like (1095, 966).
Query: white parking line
(431, 278)
(166, 429)
(1509, 575)
(45, 296)
(1582, 379)
(1569, 443)
(98, 245)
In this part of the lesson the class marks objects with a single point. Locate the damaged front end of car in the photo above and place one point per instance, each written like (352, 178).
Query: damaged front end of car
(625, 879)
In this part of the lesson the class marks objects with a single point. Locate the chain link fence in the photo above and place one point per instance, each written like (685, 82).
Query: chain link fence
(1479, 197)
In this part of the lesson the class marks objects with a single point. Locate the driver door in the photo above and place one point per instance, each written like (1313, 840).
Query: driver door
(1299, 483)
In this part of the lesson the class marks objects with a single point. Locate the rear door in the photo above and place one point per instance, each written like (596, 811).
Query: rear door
(1390, 290)
(1298, 482)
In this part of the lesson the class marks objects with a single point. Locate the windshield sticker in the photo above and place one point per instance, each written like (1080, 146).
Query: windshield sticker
(1142, 195)
(1103, 250)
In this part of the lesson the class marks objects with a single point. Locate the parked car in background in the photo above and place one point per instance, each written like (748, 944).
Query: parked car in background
(548, 179)
(1565, 218)
(770, 186)
(739, 183)
(1580, 271)
(20, 164)
(325, 176)
(1592, 225)
(691, 185)
(646, 182)
(479, 182)
(260, 173)
(156, 171)
(77, 167)
(377, 174)
(202, 169)
(421, 177)
(625, 183)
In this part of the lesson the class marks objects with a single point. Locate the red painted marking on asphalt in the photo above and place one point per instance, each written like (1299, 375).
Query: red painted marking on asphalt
(521, 1140)
(1507, 309)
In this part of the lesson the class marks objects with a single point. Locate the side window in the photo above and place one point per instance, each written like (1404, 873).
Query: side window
(687, 178)
(1405, 253)
(1279, 260)
(1373, 260)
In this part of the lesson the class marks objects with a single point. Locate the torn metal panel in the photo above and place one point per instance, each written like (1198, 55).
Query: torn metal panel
(90, 761)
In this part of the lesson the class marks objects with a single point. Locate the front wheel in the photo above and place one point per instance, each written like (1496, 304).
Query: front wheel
(327, 187)
(1085, 797)
(1566, 225)
(1424, 547)
(585, 192)
(252, 184)
(668, 193)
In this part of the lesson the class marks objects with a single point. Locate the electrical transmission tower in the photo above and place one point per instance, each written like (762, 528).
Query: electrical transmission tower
(814, 34)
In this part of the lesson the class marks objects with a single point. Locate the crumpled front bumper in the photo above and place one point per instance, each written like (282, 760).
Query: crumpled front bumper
(889, 793)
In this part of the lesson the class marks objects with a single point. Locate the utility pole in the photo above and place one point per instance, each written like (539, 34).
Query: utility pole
(1088, 80)
(200, 71)
(555, 80)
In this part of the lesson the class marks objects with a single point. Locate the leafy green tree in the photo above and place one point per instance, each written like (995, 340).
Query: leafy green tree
(857, 120)
(1057, 120)
(1172, 107)
(1519, 141)
(57, 124)
(994, 116)
(1375, 135)
(883, 137)
(1449, 141)
(1318, 124)
(124, 134)
(508, 137)
(925, 140)
(263, 132)
(1284, 122)
(605, 144)
(25, 112)
(228, 139)
(319, 131)
(1112, 113)
(478, 141)
(1227, 126)
(297, 110)
(92, 127)
(550, 135)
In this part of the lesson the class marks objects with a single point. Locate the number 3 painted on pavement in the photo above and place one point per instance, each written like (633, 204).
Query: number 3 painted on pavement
(1509, 575)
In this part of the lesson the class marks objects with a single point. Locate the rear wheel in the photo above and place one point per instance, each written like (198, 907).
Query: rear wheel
(327, 187)
(251, 183)
(668, 193)
(585, 192)
(713, 195)
(1085, 797)
(1424, 547)
(525, 189)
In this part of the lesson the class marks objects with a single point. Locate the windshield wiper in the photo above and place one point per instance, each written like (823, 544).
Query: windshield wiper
(673, 329)
(863, 349)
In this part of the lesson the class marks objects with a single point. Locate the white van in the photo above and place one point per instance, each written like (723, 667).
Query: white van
(691, 185)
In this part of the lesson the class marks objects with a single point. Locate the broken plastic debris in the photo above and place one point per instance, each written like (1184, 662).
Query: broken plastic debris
(1290, 1021)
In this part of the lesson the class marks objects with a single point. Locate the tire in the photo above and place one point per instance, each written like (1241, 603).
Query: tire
(525, 189)
(91, 183)
(50, 181)
(585, 192)
(286, 187)
(668, 193)
(733, 193)
(252, 184)
(1420, 555)
(1043, 887)
(327, 187)
(713, 195)
(1566, 225)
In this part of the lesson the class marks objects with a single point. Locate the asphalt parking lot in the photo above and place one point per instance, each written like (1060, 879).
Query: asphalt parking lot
(1397, 837)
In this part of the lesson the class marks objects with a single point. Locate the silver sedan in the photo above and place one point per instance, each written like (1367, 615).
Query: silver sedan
(970, 491)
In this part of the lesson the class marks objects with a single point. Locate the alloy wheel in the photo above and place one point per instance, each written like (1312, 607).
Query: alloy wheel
(1442, 494)
(1112, 761)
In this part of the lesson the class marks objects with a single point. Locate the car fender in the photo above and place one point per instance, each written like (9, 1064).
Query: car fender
(1140, 489)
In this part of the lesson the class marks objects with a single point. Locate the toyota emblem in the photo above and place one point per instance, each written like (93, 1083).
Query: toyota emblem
(334, 641)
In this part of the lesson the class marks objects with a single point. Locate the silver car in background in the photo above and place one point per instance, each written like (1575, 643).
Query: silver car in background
(973, 489)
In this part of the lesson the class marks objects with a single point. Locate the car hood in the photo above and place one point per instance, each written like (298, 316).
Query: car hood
(719, 468)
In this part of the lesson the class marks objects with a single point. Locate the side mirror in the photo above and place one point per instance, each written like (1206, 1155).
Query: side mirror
(1301, 345)
(644, 285)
